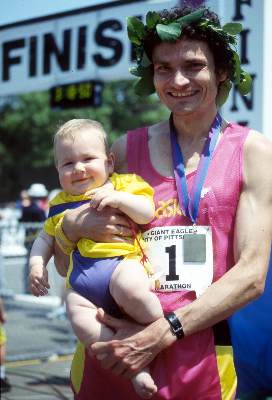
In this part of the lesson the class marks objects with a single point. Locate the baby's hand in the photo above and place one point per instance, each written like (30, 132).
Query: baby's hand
(105, 196)
(38, 280)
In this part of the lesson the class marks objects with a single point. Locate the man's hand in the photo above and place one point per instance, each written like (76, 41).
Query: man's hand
(133, 347)
(107, 226)
(38, 280)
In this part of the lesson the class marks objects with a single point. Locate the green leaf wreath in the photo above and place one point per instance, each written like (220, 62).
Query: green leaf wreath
(170, 31)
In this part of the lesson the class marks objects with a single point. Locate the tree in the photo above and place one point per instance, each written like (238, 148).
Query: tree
(28, 124)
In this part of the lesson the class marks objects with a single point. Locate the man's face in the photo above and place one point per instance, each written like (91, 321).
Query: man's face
(184, 76)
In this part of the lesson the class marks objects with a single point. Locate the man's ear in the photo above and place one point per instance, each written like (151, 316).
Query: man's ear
(221, 76)
(111, 161)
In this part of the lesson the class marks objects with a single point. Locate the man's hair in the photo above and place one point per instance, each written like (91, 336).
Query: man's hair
(72, 128)
(222, 53)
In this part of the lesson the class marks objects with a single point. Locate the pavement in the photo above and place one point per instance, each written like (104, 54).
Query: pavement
(39, 349)
(39, 380)
(40, 344)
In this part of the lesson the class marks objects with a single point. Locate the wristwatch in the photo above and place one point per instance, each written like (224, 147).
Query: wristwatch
(175, 325)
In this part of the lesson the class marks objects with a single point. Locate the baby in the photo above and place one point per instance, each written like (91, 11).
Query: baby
(107, 275)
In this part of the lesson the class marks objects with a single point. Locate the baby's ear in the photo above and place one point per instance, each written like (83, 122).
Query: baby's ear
(111, 162)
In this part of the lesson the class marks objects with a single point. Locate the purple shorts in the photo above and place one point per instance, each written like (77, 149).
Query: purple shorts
(90, 277)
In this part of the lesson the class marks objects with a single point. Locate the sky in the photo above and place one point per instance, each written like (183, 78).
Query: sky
(26, 9)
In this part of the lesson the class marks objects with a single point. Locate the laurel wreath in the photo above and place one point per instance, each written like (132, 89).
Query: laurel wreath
(170, 31)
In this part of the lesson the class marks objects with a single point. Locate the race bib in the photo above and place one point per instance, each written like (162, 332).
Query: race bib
(181, 256)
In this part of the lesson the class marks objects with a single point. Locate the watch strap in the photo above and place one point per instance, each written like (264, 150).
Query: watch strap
(175, 325)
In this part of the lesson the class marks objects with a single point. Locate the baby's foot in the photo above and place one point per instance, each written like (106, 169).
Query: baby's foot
(144, 384)
(154, 280)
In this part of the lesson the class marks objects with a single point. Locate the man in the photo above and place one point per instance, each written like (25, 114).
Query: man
(5, 385)
(215, 171)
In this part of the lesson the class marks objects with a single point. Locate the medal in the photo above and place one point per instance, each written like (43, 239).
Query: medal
(190, 203)
(186, 260)
(194, 248)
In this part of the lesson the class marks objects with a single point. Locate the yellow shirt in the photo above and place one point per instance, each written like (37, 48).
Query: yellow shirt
(130, 183)
(3, 338)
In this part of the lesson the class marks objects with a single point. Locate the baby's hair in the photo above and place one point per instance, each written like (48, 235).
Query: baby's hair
(73, 127)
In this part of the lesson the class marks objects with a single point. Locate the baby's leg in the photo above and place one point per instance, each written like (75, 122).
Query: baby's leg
(82, 315)
(130, 288)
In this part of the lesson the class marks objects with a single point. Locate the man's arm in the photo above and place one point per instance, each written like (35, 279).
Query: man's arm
(61, 261)
(252, 242)
(119, 149)
(106, 226)
(241, 284)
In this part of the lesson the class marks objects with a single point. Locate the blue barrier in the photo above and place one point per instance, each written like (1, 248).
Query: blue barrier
(251, 331)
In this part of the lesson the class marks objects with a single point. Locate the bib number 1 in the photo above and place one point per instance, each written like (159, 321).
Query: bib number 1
(172, 276)
(182, 256)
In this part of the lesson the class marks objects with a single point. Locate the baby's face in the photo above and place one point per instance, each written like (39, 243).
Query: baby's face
(82, 162)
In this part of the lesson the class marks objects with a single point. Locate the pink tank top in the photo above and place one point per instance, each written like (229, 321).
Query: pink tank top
(189, 369)
(222, 188)
(220, 196)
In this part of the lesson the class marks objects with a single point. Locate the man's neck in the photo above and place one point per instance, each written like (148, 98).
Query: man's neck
(193, 128)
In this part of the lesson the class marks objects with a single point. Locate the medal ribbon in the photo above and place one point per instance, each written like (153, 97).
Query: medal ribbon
(190, 204)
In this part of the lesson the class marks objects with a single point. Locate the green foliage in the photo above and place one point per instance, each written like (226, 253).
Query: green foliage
(233, 28)
(237, 67)
(192, 17)
(145, 62)
(152, 18)
(241, 78)
(137, 71)
(28, 124)
(170, 32)
(223, 92)
(135, 29)
(145, 86)
(245, 83)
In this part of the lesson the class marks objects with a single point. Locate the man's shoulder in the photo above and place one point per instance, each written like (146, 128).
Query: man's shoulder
(257, 143)
(119, 147)
(159, 128)
(258, 156)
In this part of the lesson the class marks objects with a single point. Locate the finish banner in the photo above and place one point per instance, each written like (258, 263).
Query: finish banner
(80, 45)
